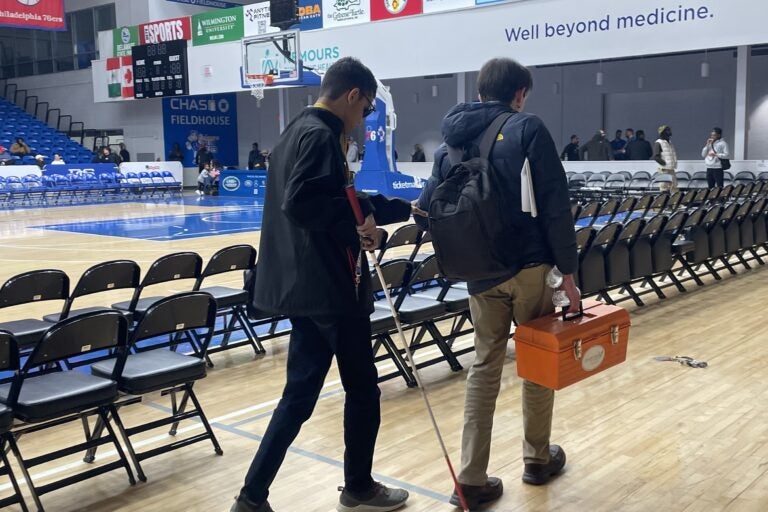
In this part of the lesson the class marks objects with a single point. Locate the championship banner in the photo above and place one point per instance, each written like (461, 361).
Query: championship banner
(165, 30)
(37, 14)
(194, 121)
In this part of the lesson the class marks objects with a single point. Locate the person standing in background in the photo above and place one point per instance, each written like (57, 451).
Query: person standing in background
(618, 146)
(714, 150)
(639, 148)
(352, 150)
(571, 151)
(629, 134)
(666, 156)
(203, 157)
(255, 158)
(125, 156)
(418, 154)
(596, 149)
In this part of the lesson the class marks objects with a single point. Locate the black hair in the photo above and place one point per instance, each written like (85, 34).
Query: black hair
(619, 132)
(718, 131)
(501, 78)
(346, 74)
(574, 136)
(640, 133)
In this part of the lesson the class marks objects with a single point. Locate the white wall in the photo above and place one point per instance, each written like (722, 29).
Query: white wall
(757, 109)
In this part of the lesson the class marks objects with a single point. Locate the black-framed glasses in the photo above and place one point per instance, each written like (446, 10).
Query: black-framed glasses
(370, 109)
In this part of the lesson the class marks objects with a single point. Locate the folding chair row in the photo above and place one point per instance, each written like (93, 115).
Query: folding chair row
(50, 284)
(641, 250)
(46, 391)
(422, 300)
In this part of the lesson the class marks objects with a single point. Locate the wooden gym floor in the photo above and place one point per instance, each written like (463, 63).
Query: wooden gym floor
(644, 436)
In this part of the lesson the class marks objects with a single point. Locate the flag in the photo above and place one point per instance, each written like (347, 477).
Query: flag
(113, 77)
(126, 74)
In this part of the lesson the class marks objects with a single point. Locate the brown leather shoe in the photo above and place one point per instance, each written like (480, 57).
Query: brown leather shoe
(540, 474)
(477, 495)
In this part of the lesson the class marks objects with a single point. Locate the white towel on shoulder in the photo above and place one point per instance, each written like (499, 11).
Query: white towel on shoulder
(527, 197)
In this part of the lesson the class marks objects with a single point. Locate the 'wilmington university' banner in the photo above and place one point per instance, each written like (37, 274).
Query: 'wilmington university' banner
(39, 14)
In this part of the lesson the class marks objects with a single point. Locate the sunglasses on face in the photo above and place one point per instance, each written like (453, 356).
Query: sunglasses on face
(370, 109)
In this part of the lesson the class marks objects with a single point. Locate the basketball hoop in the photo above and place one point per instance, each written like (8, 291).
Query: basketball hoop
(257, 84)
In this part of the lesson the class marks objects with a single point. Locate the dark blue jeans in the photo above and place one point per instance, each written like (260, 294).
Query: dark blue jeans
(313, 344)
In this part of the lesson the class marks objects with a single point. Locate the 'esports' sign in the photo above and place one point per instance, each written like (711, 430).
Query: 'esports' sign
(166, 30)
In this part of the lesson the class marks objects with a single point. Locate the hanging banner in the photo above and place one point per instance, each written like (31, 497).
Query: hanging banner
(431, 6)
(123, 39)
(310, 14)
(166, 30)
(338, 13)
(196, 121)
(217, 26)
(37, 14)
(388, 9)
(256, 20)
(216, 4)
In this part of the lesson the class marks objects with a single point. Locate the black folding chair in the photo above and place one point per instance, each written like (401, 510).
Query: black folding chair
(153, 368)
(27, 288)
(172, 267)
(9, 362)
(405, 236)
(104, 277)
(42, 399)
(231, 302)
(396, 275)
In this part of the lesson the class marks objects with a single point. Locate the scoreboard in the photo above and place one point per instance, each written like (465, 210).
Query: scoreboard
(160, 70)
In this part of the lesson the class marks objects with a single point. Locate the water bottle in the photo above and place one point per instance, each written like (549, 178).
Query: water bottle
(555, 281)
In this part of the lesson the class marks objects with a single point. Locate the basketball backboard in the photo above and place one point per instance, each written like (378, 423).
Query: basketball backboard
(277, 54)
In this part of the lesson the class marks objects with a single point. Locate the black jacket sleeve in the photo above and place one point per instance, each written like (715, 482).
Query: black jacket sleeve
(312, 200)
(389, 211)
(434, 180)
(550, 187)
(657, 154)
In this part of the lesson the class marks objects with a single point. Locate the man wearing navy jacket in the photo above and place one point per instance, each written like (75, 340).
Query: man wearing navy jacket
(545, 240)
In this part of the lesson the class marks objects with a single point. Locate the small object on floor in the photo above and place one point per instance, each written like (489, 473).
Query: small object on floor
(684, 360)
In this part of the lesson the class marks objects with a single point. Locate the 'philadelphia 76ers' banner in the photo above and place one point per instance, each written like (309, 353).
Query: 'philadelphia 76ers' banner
(196, 121)
(39, 14)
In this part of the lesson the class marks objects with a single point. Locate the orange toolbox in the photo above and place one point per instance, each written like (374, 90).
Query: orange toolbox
(556, 352)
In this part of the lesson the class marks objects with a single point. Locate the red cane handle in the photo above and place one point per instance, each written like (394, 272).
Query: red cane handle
(355, 204)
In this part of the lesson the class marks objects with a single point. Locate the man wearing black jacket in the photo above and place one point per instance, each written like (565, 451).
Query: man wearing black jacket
(547, 239)
(311, 269)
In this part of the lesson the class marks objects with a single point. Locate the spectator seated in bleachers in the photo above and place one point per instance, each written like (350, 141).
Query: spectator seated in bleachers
(5, 156)
(20, 148)
(57, 160)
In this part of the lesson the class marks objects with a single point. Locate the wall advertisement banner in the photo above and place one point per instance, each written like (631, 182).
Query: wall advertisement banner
(389, 9)
(256, 20)
(194, 121)
(217, 26)
(431, 6)
(165, 30)
(36, 14)
(337, 13)
(123, 39)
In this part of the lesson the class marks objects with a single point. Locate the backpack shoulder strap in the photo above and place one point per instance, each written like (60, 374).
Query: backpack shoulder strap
(490, 134)
(455, 155)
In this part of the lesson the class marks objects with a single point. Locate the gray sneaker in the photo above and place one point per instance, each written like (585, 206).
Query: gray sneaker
(243, 504)
(379, 499)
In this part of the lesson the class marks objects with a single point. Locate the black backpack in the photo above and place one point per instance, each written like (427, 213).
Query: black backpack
(470, 230)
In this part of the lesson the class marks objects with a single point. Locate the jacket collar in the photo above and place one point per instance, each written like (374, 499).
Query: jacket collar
(333, 121)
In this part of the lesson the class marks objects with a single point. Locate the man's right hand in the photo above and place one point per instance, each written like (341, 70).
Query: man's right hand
(573, 293)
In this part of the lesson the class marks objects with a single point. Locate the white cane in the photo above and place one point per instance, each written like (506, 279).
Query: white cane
(353, 201)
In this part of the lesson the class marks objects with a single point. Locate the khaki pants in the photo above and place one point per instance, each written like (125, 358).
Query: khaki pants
(524, 297)
(668, 187)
